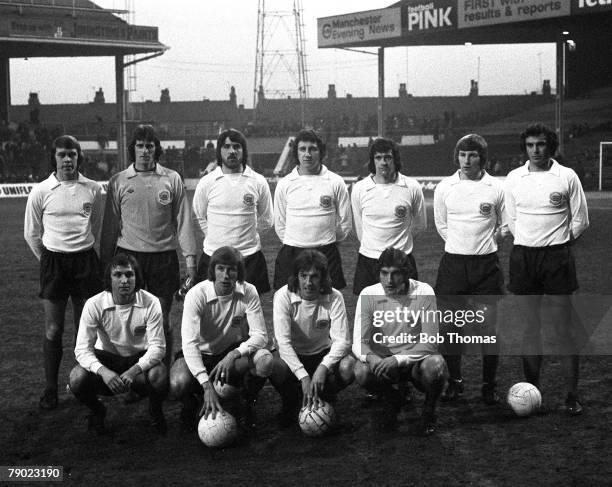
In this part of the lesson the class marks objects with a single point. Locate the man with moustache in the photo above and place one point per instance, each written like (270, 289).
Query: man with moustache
(232, 204)
(147, 214)
(388, 210)
(62, 224)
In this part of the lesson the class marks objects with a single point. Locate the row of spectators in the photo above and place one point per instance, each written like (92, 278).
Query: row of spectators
(24, 155)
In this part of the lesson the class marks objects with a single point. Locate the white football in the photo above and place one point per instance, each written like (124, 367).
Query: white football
(225, 390)
(317, 421)
(524, 398)
(219, 432)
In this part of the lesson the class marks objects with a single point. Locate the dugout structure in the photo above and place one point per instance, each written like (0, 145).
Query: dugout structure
(66, 28)
(579, 28)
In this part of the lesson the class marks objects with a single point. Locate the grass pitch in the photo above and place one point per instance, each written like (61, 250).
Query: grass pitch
(474, 445)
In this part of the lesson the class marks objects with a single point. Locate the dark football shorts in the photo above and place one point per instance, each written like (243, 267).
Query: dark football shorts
(69, 274)
(210, 362)
(543, 270)
(255, 267)
(367, 273)
(117, 364)
(287, 254)
(469, 275)
(310, 363)
(161, 271)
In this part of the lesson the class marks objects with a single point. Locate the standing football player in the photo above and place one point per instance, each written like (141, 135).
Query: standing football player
(232, 204)
(121, 345)
(313, 337)
(388, 210)
(62, 224)
(393, 345)
(311, 210)
(547, 212)
(146, 213)
(469, 215)
(223, 333)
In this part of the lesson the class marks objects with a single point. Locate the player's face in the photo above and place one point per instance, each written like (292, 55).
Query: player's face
(469, 163)
(144, 150)
(231, 156)
(393, 281)
(225, 279)
(310, 283)
(66, 163)
(538, 151)
(123, 283)
(385, 165)
(309, 157)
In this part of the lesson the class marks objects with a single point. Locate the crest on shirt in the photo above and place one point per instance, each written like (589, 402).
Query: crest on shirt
(400, 211)
(164, 197)
(248, 199)
(238, 320)
(140, 330)
(322, 324)
(486, 209)
(325, 201)
(556, 198)
(87, 208)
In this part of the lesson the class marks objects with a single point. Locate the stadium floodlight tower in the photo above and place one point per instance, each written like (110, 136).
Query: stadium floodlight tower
(280, 58)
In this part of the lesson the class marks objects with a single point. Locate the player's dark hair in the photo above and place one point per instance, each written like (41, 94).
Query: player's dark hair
(535, 129)
(123, 260)
(384, 145)
(306, 260)
(472, 142)
(227, 256)
(235, 136)
(148, 134)
(66, 142)
(396, 258)
(305, 135)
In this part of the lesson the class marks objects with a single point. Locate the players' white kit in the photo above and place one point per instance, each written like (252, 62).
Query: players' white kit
(305, 327)
(468, 213)
(389, 337)
(311, 210)
(387, 215)
(232, 209)
(545, 207)
(211, 324)
(63, 216)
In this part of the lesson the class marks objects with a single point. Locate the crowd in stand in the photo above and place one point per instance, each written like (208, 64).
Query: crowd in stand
(23, 148)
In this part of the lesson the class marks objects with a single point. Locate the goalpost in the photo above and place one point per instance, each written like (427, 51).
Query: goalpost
(605, 161)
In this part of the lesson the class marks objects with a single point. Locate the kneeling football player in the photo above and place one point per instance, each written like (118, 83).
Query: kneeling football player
(223, 333)
(394, 339)
(120, 345)
(313, 337)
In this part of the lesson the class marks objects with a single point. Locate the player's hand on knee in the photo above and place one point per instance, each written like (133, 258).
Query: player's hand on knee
(211, 403)
(129, 375)
(112, 381)
(385, 368)
(222, 370)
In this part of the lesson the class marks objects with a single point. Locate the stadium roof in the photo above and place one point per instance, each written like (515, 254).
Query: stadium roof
(59, 28)
(449, 22)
